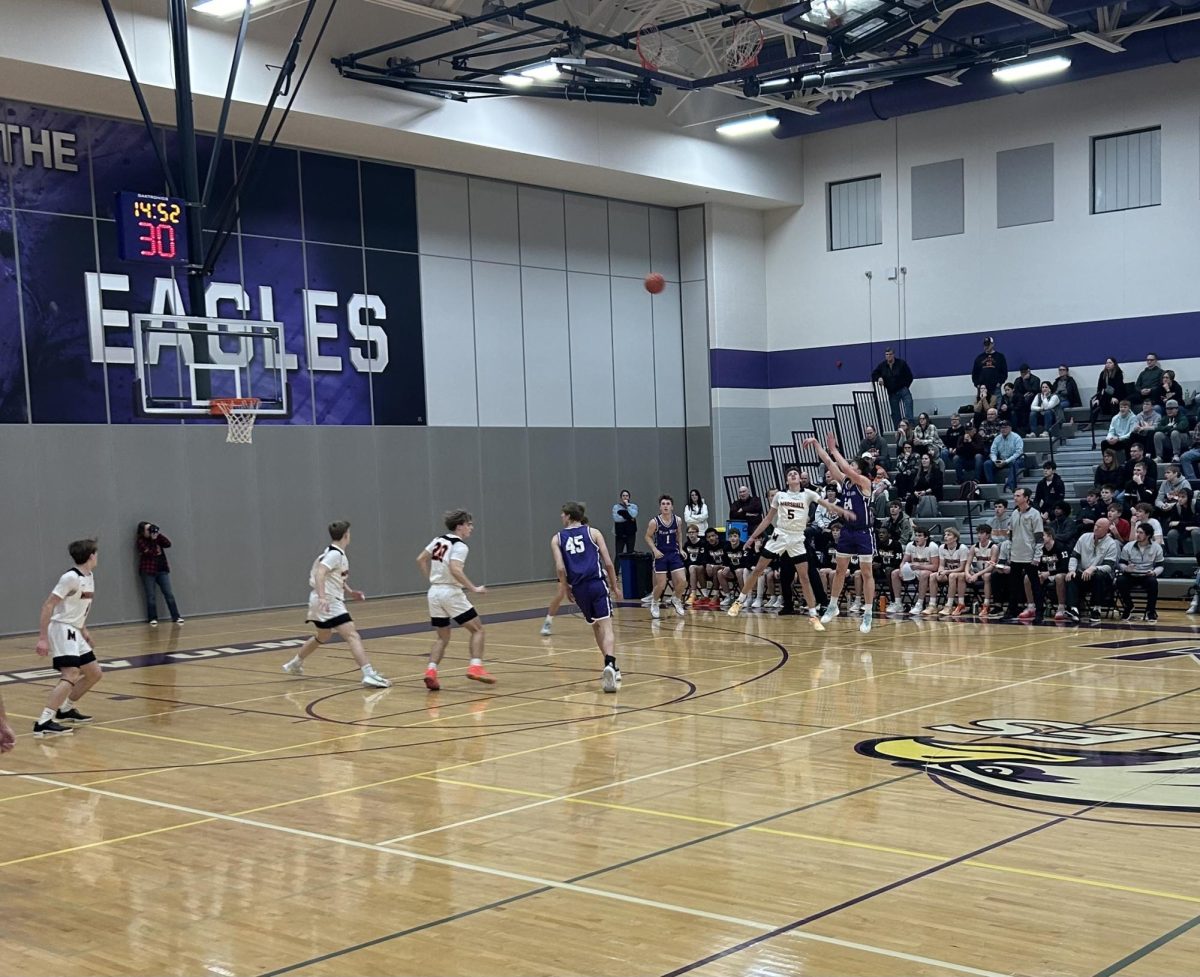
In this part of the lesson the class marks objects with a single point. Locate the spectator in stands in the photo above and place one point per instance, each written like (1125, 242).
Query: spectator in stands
(904, 435)
(1050, 489)
(1108, 496)
(1179, 521)
(1169, 438)
(927, 440)
(881, 488)
(1053, 559)
(1169, 389)
(898, 523)
(155, 571)
(1006, 404)
(896, 378)
(1172, 485)
(1091, 570)
(1027, 528)
(1025, 389)
(1090, 510)
(1121, 427)
(1108, 472)
(985, 401)
(1110, 388)
(1118, 524)
(990, 426)
(991, 368)
(921, 558)
(1138, 453)
(625, 523)
(905, 474)
(1189, 458)
(927, 489)
(746, 507)
(1145, 425)
(1139, 488)
(1001, 521)
(969, 456)
(695, 513)
(1143, 512)
(1066, 388)
(1150, 379)
(1141, 564)
(1046, 409)
(951, 439)
(1066, 530)
(1006, 457)
(871, 441)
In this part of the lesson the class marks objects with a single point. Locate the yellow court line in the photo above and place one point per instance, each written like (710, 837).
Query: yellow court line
(107, 841)
(825, 839)
(153, 736)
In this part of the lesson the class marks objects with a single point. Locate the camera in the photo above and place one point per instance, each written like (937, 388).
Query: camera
(153, 529)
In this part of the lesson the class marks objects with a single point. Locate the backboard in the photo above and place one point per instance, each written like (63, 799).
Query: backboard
(183, 362)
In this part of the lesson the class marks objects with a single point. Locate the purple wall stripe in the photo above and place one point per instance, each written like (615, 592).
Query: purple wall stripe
(1170, 336)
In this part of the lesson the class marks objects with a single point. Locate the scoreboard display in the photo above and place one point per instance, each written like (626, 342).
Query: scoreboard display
(151, 228)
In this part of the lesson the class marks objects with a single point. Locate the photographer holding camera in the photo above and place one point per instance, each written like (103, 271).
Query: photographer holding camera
(155, 571)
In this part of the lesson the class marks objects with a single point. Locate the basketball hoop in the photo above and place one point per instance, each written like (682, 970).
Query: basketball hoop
(655, 47)
(745, 40)
(241, 413)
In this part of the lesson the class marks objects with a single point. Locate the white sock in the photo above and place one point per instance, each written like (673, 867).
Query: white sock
(476, 661)
(46, 716)
(432, 666)
(368, 668)
(295, 660)
(549, 619)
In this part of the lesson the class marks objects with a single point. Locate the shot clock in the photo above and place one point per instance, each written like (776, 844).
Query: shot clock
(152, 229)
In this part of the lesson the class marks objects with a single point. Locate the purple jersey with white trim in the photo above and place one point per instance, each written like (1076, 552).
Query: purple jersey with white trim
(581, 556)
(854, 500)
(666, 536)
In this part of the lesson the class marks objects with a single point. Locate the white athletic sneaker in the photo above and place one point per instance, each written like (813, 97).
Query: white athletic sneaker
(293, 667)
(1194, 606)
(678, 605)
(916, 610)
(610, 679)
(895, 607)
(830, 612)
(755, 604)
(654, 612)
(865, 624)
(375, 680)
(547, 629)
(777, 601)
(648, 599)
(726, 601)
(855, 607)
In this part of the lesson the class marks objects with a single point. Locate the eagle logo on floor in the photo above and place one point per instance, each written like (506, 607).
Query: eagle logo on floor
(1047, 760)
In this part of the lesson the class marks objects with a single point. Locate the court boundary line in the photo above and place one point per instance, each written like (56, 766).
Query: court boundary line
(1147, 949)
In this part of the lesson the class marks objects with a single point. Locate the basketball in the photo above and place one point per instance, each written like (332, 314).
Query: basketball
(655, 283)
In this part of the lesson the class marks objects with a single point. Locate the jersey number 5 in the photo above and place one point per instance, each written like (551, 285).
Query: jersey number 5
(791, 513)
(439, 551)
(575, 545)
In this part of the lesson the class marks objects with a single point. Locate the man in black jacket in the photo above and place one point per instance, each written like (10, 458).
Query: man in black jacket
(1025, 388)
(896, 377)
(990, 368)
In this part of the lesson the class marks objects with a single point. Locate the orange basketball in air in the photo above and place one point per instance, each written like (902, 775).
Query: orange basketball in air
(655, 283)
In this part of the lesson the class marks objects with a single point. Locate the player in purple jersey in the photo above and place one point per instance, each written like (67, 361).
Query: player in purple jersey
(665, 536)
(586, 572)
(857, 538)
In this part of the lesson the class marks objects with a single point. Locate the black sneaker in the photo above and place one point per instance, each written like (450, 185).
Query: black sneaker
(50, 728)
(72, 715)
(1151, 618)
(1094, 616)
(1126, 615)
(1073, 613)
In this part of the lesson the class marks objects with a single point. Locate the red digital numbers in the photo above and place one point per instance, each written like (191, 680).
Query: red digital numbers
(158, 241)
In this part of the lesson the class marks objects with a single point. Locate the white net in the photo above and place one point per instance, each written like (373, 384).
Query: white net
(240, 413)
(656, 48)
(745, 40)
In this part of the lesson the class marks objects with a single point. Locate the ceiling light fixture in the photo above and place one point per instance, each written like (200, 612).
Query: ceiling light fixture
(546, 71)
(1026, 70)
(748, 125)
(776, 82)
(516, 81)
(223, 8)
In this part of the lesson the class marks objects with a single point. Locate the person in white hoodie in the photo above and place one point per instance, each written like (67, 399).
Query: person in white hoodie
(1046, 407)
(695, 513)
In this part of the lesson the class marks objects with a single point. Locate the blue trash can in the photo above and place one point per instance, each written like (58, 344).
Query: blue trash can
(637, 575)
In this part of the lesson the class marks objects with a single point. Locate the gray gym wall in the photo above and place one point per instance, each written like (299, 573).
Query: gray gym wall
(585, 377)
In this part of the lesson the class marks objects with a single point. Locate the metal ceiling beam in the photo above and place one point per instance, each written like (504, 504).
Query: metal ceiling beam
(607, 93)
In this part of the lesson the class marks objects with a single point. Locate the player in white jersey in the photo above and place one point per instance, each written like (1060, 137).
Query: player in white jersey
(327, 607)
(442, 561)
(8, 737)
(789, 515)
(63, 635)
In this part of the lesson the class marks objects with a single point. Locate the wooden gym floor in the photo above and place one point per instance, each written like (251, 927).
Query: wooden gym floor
(721, 815)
